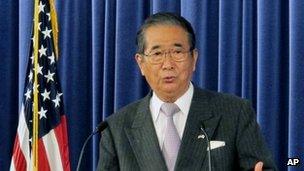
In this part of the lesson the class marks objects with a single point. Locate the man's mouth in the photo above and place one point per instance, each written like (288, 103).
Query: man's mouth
(169, 79)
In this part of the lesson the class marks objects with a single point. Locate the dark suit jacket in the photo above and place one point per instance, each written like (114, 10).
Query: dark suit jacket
(130, 141)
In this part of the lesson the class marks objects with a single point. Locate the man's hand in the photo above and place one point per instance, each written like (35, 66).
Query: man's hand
(258, 166)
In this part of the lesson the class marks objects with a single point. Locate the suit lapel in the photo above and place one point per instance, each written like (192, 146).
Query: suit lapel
(143, 139)
(193, 150)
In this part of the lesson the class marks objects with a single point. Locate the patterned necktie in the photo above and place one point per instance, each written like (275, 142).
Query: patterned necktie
(172, 140)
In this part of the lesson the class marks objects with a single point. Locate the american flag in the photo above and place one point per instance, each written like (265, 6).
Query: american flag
(41, 142)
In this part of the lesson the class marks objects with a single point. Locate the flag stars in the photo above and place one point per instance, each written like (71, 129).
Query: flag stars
(39, 26)
(30, 76)
(32, 58)
(33, 40)
(39, 69)
(41, 7)
(42, 51)
(42, 113)
(28, 94)
(33, 107)
(49, 76)
(59, 95)
(49, 16)
(47, 33)
(57, 99)
(52, 58)
(45, 95)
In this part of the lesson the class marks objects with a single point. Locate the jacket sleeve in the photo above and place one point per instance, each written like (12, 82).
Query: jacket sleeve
(107, 154)
(250, 142)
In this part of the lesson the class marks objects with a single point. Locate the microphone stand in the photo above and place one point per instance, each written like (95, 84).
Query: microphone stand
(98, 129)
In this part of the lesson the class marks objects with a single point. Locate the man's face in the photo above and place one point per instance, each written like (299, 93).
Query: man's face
(168, 79)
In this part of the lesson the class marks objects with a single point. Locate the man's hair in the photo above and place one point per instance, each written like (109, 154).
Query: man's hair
(164, 18)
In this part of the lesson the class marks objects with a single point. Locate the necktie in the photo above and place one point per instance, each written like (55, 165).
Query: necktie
(172, 140)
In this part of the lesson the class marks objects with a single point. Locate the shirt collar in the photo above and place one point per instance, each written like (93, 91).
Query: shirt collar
(182, 102)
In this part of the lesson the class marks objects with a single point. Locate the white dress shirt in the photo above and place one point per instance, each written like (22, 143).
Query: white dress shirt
(180, 118)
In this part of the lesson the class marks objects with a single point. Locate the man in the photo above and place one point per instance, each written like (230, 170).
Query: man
(165, 129)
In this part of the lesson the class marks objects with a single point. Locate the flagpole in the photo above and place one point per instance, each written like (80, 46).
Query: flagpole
(35, 88)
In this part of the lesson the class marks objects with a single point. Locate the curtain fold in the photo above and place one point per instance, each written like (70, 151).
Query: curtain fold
(75, 69)
(253, 49)
(9, 73)
(296, 79)
(249, 53)
(229, 46)
(98, 30)
(272, 74)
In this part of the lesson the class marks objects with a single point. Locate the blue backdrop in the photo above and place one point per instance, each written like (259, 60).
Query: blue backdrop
(251, 48)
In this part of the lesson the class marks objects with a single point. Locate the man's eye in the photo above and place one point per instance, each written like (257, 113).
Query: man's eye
(177, 51)
(157, 53)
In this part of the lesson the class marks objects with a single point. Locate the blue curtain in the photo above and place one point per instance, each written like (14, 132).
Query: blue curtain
(251, 48)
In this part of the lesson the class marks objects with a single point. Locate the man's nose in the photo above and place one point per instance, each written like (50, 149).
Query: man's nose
(168, 61)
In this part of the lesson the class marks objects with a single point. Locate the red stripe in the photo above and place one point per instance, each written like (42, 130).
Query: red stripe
(62, 139)
(18, 157)
(43, 163)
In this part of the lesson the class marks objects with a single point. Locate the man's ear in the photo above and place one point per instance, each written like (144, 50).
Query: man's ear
(194, 56)
(140, 62)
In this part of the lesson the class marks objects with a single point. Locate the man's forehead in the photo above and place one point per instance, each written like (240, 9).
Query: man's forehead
(165, 37)
(175, 45)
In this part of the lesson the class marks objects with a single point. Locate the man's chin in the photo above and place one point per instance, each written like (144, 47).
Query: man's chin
(170, 88)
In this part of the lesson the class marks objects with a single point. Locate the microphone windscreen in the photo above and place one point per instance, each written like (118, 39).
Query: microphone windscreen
(103, 125)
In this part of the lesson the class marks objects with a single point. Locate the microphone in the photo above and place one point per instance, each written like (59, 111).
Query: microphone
(209, 147)
(103, 125)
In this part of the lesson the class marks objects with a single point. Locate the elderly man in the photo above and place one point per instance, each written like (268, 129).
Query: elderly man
(171, 127)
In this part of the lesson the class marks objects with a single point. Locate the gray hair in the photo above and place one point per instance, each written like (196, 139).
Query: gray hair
(164, 18)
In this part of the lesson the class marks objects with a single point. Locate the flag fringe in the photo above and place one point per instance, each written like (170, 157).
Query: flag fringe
(54, 26)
